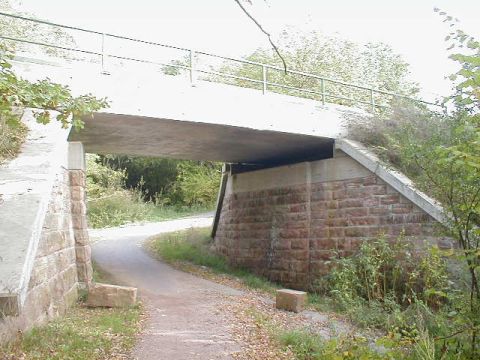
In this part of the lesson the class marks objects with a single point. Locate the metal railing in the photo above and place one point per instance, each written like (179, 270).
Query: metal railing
(191, 66)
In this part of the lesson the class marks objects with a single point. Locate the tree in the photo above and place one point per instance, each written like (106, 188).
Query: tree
(374, 65)
(46, 98)
(450, 171)
(42, 33)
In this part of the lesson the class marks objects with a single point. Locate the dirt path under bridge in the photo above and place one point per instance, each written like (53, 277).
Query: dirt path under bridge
(191, 317)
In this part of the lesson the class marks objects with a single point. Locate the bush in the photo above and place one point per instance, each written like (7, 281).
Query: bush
(109, 204)
(117, 208)
(389, 273)
(155, 175)
(387, 134)
(309, 346)
(197, 183)
(170, 182)
(192, 246)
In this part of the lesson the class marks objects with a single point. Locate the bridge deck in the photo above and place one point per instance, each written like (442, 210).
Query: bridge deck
(161, 115)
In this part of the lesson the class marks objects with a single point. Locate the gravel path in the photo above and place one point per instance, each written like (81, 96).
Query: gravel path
(184, 317)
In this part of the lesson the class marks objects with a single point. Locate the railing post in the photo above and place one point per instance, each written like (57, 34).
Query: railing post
(193, 75)
(322, 90)
(264, 77)
(372, 100)
(103, 53)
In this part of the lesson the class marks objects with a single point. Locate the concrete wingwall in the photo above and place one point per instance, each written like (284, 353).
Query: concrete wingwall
(43, 200)
(285, 223)
(53, 283)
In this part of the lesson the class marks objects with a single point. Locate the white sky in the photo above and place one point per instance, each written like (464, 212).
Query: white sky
(409, 26)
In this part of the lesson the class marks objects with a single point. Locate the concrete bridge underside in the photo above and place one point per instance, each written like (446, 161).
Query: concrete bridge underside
(139, 135)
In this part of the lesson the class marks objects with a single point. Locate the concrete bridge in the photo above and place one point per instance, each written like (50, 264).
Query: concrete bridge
(294, 189)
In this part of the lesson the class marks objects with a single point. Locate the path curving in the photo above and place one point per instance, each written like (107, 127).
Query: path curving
(185, 317)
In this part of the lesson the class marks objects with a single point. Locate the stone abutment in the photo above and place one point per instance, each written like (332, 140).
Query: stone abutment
(286, 223)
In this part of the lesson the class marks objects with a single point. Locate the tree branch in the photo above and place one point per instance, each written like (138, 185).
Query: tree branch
(265, 32)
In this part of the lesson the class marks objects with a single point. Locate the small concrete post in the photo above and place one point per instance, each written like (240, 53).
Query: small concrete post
(290, 300)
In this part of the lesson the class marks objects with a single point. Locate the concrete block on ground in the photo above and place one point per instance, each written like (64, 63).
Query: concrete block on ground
(290, 300)
(105, 295)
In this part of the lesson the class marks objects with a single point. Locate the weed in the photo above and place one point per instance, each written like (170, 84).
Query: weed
(309, 346)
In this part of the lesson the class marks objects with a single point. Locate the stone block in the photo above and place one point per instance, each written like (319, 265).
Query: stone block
(290, 300)
(81, 237)
(85, 272)
(77, 193)
(83, 253)
(79, 207)
(104, 295)
(71, 297)
(79, 222)
(77, 178)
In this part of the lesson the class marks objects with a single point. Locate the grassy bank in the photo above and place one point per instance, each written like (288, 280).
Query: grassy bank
(194, 246)
(84, 333)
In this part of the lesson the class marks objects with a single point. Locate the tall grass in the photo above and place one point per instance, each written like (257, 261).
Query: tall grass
(195, 246)
(117, 208)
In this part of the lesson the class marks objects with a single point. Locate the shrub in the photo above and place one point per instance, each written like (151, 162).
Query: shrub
(197, 183)
(389, 273)
(117, 208)
(310, 346)
(387, 134)
(192, 246)
(109, 204)
(170, 182)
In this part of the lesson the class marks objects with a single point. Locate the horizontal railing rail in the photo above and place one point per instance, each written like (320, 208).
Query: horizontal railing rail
(193, 70)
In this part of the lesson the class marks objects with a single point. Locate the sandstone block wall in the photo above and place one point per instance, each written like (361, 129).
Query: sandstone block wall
(53, 282)
(80, 229)
(286, 223)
